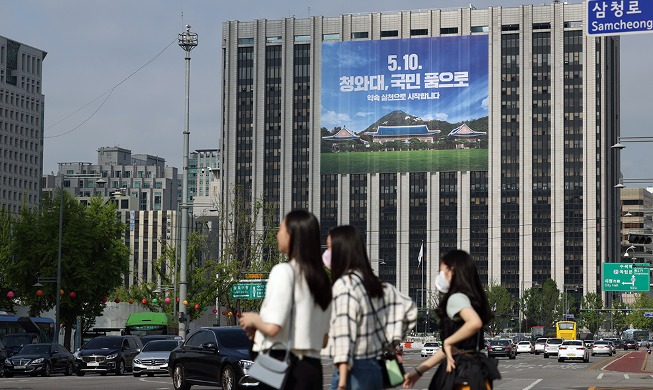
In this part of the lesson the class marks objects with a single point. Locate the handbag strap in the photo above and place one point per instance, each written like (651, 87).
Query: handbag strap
(291, 320)
(384, 340)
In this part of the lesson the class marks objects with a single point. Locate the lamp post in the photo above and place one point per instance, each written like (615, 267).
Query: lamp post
(187, 41)
(575, 289)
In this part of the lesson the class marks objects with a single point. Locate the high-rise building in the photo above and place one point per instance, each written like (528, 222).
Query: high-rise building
(21, 125)
(487, 130)
(203, 166)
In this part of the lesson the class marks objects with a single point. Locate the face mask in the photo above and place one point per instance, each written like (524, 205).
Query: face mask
(326, 258)
(441, 283)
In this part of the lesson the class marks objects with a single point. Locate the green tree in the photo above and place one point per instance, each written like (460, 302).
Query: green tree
(618, 321)
(6, 304)
(551, 308)
(501, 303)
(93, 258)
(636, 318)
(592, 317)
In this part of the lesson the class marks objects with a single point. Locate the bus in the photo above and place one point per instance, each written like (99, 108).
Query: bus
(566, 330)
(635, 334)
(44, 327)
(151, 323)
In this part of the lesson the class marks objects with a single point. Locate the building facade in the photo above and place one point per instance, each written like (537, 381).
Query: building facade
(542, 207)
(21, 125)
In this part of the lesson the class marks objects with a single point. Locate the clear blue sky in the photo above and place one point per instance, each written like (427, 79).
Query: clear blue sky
(93, 45)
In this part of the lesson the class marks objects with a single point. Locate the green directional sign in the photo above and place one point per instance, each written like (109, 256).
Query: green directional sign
(626, 277)
(248, 290)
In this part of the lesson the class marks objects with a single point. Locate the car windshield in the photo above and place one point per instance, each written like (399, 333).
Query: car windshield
(35, 349)
(500, 342)
(16, 340)
(524, 343)
(541, 341)
(573, 342)
(600, 343)
(554, 341)
(104, 343)
(234, 339)
(431, 344)
(160, 345)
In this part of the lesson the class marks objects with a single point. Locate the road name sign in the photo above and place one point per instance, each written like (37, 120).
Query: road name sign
(626, 277)
(648, 314)
(610, 17)
(569, 316)
(248, 290)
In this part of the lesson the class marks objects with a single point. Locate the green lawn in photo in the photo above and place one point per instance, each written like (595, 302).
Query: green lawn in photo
(405, 161)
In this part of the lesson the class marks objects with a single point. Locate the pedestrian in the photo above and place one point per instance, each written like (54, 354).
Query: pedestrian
(302, 285)
(463, 312)
(366, 317)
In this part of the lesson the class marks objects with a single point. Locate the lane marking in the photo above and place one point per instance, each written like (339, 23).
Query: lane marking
(626, 376)
(532, 385)
(600, 376)
(615, 360)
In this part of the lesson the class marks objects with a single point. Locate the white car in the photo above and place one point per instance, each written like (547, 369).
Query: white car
(573, 349)
(601, 347)
(430, 348)
(153, 358)
(551, 347)
(525, 347)
(539, 345)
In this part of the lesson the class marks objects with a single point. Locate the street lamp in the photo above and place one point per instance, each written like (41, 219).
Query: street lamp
(574, 289)
(630, 248)
(187, 41)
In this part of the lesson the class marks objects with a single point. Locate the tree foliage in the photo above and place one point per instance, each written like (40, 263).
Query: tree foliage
(93, 258)
(592, 318)
(636, 318)
(502, 305)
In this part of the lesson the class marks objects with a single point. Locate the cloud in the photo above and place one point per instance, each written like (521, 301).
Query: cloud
(364, 114)
(438, 116)
(332, 119)
(485, 103)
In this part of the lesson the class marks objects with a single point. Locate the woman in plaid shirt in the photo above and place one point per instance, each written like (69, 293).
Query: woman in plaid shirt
(355, 337)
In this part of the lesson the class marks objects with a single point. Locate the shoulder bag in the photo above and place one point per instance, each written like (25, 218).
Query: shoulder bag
(267, 369)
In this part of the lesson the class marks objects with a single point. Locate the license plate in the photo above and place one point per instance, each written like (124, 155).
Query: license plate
(20, 367)
(92, 364)
(153, 368)
(572, 354)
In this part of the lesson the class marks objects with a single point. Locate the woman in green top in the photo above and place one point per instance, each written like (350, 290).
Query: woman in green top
(463, 312)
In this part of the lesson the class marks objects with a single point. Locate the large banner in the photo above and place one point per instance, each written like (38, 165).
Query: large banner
(405, 105)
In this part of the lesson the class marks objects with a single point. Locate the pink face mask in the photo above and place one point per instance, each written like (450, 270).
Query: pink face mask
(326, 258)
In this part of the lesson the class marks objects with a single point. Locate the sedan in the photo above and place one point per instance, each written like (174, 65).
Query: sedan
(573, 349)
(44, 359)
(212, 357)
(501, 347)
(153, 358)
(601, 347)
(631, 344)
(429, 349)
(525, 347)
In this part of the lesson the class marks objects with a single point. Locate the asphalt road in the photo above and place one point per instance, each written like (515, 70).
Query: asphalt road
(527, 372)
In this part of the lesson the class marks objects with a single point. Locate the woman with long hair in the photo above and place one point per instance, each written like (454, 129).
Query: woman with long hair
(463, 312)
(300, 287)
(356, 334)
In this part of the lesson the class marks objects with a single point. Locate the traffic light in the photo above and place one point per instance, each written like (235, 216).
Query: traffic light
(641, 239)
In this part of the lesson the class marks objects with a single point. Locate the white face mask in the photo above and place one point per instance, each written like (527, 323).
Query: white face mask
(326, 258)
(441, 283)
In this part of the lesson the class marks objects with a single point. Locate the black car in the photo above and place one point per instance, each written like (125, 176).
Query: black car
(631, 344)
(105, 354)
(3, 357)
(212, 357)
(501, 347)
(43, 358)
(14, 342)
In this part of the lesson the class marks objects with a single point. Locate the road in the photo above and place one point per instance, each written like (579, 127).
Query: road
(527, 372)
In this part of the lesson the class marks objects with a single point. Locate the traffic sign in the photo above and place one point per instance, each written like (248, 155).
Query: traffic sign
(626, 277)
(569, 316)
(648, 314)
(248, 290)
(609, 17)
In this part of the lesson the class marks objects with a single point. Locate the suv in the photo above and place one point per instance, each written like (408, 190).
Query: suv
(105, 354)
(551, 347)
(502, 347)
(539, 345)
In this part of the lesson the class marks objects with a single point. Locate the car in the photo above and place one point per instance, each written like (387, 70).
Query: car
(588, 343)
(150, 337)
(631, 344)
(104, 354)
(539, 345)
(153, 358)
(618, 343)
(613, 347)
(551, 347)
(3, 357)
(602, 347)
(42, 358)
(573, 349)
(15, 341)
(525, 347)
(502, 347)
(429, 348)
(215, 356)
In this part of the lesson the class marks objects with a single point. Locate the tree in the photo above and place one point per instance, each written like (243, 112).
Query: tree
(636, 318)
(592, 317)
(551, 309)
(93, 258)
(501, 303)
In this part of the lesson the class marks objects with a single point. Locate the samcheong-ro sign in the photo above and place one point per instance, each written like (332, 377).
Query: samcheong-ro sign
(618, 17)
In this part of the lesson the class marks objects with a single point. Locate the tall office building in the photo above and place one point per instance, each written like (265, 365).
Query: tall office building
(21, 125)
(487, 130)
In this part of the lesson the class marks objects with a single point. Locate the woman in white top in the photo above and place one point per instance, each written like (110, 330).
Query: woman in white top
(299, 238)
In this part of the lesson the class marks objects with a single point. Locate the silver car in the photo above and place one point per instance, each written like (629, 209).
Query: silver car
(153, 358)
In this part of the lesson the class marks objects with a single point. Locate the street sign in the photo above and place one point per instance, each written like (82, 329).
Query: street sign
(626, 277)
(610, 17)
(648, 314)
(248, 290)
(569, 316)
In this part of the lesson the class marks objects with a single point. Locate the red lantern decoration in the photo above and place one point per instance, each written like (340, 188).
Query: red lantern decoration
(103, 300)
(39, 293)
(197, 306)
(224, 313)
(117, 300)
(144, 301)
(178, 299)
(167, 299)
(131, 301)
(238, 315)
(72, 294)
(215, 311)
(11, 295)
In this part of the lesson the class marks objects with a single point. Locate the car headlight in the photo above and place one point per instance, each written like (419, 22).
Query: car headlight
(137, 361)
(112, 356)
(8, 362)
(245, 364)
(76, 355)
(37, 361)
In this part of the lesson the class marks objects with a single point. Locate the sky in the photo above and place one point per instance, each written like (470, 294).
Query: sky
(114, 74)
